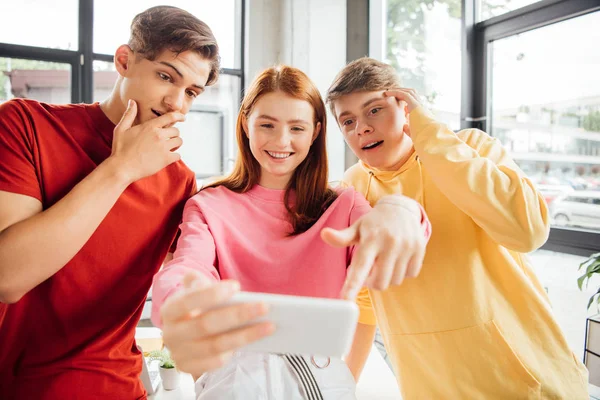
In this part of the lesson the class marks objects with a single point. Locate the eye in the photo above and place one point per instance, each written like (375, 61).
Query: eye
(347, 122)
(164, 77)
(298, 129)
(268, 126)
(192, 94)
(375, 110)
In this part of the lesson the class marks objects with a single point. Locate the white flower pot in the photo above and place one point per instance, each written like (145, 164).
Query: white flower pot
(169, 377)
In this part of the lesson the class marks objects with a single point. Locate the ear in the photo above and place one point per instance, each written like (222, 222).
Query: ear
(316, 133)
(245, 125)
(123, 59)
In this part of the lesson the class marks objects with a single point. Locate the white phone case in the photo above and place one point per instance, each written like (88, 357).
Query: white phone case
(304, 325)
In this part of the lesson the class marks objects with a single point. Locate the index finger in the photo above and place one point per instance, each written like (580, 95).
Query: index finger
(359, 269)
(399, 94)
(193, 300)
(167, 120)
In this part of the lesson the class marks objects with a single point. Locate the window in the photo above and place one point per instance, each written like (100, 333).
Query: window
(493, 8)
(31, 79)
(423, 43)
(545, 109)
(111, 27)
(35, 23)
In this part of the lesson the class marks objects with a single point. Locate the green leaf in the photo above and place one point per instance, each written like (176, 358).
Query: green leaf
(592, 298)
(580, 281)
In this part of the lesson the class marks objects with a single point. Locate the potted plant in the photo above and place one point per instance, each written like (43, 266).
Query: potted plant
(168, 371)
(592, 266)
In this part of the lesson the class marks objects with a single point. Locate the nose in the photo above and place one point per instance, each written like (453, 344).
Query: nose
(362, 128)
(175, 100)
(283, 138)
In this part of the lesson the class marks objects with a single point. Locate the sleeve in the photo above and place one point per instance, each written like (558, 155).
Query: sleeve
(365, 307)
(18, 173)
(195, 251)
(476, 173)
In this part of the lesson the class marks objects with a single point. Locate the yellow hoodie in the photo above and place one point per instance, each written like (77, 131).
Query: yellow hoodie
(476, 323)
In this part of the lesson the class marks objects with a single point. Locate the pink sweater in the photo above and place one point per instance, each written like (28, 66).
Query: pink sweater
(226, 235)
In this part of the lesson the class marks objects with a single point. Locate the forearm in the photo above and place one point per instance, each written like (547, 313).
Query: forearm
(34, 249)
(361, 348)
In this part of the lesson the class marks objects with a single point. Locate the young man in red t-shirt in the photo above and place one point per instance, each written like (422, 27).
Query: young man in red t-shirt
(90, 200)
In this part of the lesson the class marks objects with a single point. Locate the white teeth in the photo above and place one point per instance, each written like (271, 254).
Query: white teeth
(371, 145)
(279, 155)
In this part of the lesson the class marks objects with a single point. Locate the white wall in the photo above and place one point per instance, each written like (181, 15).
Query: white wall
(309, 35)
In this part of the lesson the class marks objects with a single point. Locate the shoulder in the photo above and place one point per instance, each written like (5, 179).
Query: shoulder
(351, 197)
(219, 195)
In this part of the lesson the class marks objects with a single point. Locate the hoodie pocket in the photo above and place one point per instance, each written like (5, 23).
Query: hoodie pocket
(469, 363)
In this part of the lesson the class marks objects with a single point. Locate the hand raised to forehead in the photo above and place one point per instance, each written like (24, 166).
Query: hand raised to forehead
(409, 96)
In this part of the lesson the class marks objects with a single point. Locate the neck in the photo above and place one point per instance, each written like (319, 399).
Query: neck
(113, 106)
(406, 150)
(270, 181)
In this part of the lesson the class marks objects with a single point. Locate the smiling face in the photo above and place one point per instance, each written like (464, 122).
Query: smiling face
(280, 130)
(374, 127)
(170, 82)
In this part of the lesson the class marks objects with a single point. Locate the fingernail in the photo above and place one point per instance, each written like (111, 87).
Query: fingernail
(129, 103)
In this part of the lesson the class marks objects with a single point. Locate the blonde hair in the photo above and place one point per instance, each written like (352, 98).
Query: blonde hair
(362, 75)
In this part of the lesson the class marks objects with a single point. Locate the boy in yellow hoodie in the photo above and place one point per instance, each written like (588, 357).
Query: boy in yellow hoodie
(476, 323)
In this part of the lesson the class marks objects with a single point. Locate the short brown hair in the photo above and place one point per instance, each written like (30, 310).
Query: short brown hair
(362, 75)
(170, 28)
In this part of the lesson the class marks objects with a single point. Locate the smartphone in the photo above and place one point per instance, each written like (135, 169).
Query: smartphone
(304, 325)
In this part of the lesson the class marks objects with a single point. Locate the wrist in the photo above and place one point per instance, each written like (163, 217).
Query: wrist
(117, 171)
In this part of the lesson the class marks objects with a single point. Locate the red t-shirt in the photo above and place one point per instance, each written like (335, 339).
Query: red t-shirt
(72, 337)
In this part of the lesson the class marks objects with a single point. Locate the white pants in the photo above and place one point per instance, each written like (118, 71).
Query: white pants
(259, 376)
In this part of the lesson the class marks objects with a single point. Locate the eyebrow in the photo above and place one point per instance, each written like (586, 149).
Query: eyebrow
(200, 87)
(292, 121)
(365, 104)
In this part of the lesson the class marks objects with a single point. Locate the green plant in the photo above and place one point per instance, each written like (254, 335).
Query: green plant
(592, 266)
(163, 356)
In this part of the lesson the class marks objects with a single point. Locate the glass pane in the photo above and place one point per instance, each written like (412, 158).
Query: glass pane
(35, 23)
(209, 144)
(493, 8)
(112, 21)
(105, 76)
(40, 80)
(423, 44)
(545, 108)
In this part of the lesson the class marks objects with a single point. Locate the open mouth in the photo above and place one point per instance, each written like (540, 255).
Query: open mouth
(278, 155)
(372, 145)
(156, 113)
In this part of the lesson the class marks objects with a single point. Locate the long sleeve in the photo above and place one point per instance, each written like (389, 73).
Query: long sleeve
(195, 251)
(476, 173)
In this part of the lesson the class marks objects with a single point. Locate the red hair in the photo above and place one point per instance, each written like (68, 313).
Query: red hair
(313, 195)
